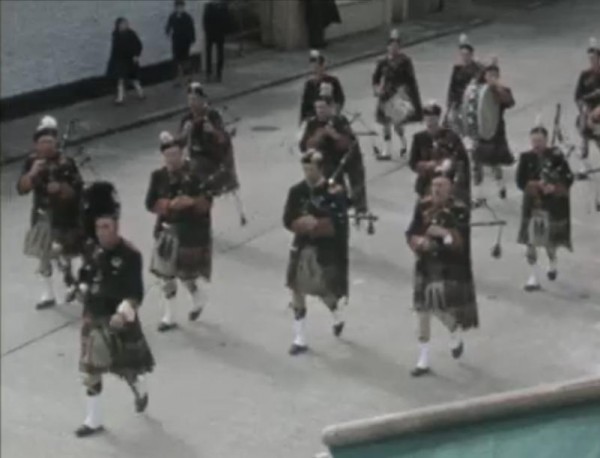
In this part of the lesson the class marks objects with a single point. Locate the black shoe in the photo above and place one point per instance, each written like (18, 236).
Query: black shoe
(86, 431)
(46, 304)
(458, 351)
(419, 371)
(552, 274)
(164, 327)
(384, 157)
(531, 288)
(338, 328)
(194, 314)
(503, 193)
(141, 403)
(296, 350)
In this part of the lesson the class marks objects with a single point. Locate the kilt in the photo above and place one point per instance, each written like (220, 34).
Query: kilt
(41, 236)
(171, 260)
(557, 230)
(453, 296)
(493, 152)
(124, 352)
(307, 276)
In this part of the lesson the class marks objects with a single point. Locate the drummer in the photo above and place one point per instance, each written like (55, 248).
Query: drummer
(464, 72)
(492, 150)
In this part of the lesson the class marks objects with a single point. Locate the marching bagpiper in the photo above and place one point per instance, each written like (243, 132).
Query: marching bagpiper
(112, 340)
(544, 176)
(463, 73)
(332, 135)
(494, 152)
(55, 235)
(438, 149)
(398, 100)
(316, 212)
(587, 98)
(183, 247)
(209, 145)
(439, 235)
(312, 87)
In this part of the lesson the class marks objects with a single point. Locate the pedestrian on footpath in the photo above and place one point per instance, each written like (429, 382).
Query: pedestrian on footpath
(123, 64)
(216, 21)
(180, 28)
(318, 15)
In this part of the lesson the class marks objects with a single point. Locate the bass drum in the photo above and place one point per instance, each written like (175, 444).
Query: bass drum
(488, 113)
(469, 110)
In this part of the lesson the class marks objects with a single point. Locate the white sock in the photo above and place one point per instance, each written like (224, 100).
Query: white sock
(553, 265)
(299, 333)
(388, 148)
(338, 315)
(141, 385)
(93, 418)
(138, 88)
(48, 294)
(168, 306)
(478, 192)
(533, 277)
(423, 362)
(455, 339)
(120, 91)
(200, 295)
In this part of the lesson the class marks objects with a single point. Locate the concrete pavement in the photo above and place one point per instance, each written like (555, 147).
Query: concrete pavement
(256, 70)
(225, 387)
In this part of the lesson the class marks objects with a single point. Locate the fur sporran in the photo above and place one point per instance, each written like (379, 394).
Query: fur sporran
(539, 228)
(38, 241)
(164, 254)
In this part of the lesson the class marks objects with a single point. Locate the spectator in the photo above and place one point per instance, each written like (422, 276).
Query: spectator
(123, 64)
(318, 15)
(216, 21)
(180, 27)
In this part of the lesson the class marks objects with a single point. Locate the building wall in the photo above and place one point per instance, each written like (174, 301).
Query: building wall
(55, 42)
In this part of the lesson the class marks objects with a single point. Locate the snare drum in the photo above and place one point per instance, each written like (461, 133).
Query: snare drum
(399, 108)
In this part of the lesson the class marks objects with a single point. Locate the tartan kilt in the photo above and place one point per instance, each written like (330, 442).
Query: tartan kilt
(557, 233)
(493, 152)
(453, 296)
(123, 353)
(41, 236)
(307, 276)
(185, 263)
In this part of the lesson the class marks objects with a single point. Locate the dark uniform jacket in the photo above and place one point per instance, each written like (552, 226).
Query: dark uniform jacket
(461, 76)
(192, 225)
(64, 207)
(312, 92)
(589, 81)
(332, 250)
(446, 144)
(396, 73)
(180, 27)
(125, 46)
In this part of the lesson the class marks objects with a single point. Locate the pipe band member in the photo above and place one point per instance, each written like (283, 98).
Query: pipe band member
(463, 73)
(495, 152)
(332, 136)
(209, 145)
(394, 76)
(587, 98)
(439, 150)
(544, 176)
(444, 287)
(312, 87)
(55, 235)
(183, 240)
(316, 214)
(112, 340)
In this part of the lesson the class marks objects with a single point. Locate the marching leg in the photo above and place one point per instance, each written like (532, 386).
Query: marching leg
(399, 128)
(167, 322)
(66, 267)
(552, 258)
(499, 177)
(333, 305)
(93, 419)
(387, 138)
(239, 206)
(120, 92)
(48, 298)
(422, 367)
(457, 345)
(533, 283)
(299, 345)
(199, 291)
(478, 193)
(138, 89)
(137, 383)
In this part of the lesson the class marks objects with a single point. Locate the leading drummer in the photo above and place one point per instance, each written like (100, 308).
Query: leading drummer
(463, 73)
(55, 235)
(544, 176)
(587, 98)
(437, 149)
(494, 152)
(394, 77)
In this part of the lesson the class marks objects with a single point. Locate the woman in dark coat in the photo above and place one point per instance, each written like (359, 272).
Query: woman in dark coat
(123, 64)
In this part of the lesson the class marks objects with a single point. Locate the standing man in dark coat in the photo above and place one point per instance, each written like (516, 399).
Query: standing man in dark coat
(319, 14)
(216, 21)
(587, 98)
(124, 61)
(180, 28)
